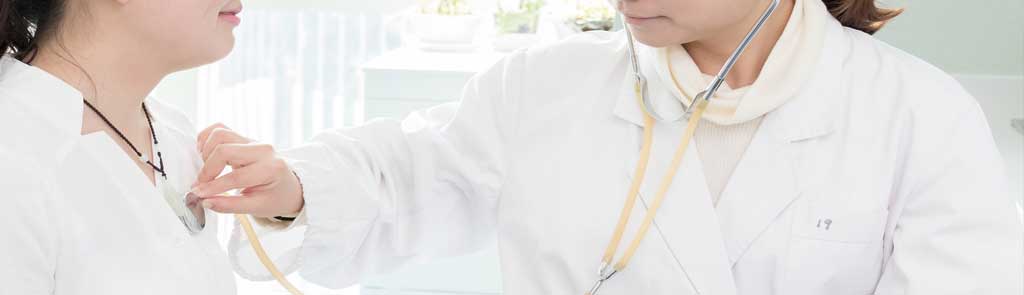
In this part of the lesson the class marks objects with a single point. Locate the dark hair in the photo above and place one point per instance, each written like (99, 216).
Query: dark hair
(24, 23)
(862, 15)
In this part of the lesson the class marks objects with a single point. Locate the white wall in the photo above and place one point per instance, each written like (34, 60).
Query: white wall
(963, 37)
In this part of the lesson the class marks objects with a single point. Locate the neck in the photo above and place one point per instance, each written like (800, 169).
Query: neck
(113, 76)
(710, 54)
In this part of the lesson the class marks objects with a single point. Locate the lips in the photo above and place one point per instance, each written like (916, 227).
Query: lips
(637, 20)
(630, 15)
(231, 15)
(233, 12)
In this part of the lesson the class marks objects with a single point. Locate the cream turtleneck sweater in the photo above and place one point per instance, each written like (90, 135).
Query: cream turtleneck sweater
(734, 115)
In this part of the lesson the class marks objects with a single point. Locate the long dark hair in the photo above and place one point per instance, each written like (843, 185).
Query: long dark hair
(24, 23)
(862, 15)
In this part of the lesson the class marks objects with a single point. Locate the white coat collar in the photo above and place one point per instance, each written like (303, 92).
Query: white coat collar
(809, 114)
(56, 109)
(47, 97)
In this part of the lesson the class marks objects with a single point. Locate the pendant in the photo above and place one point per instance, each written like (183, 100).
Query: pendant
(187, 207)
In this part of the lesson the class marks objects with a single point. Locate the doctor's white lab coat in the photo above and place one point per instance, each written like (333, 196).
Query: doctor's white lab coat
(880, 177)
(78, 217)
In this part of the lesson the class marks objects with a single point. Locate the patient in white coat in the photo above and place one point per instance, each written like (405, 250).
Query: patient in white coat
(89, 165)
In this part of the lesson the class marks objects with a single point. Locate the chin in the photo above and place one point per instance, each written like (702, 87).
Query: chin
(658, 39)
(207, 56)
(655, 42)
(217, 51)
(223, 48)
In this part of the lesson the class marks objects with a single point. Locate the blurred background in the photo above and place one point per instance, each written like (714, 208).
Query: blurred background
(301, 66)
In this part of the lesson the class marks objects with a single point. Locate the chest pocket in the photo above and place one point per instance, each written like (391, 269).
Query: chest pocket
(835, 246)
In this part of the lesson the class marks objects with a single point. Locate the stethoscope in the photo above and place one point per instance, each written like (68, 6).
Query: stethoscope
(694, 111)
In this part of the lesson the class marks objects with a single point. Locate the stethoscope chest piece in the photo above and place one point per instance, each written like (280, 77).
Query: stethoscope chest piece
(188, 208)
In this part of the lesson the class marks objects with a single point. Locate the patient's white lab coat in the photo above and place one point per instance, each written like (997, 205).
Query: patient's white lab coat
(77, 214)
(880, 177)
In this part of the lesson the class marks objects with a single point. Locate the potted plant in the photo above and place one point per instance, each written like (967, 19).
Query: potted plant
(594, 18)
(445, 24)
(522, 19)
(578, 16)
(517, 26)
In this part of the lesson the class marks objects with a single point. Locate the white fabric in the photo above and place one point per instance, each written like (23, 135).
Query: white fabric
(721, 147)
(787, 69)
(880, 177)
(79, 216)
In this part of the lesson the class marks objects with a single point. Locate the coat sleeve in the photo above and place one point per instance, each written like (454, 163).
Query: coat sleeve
(28, 237)
(958, 229)
(392, 192)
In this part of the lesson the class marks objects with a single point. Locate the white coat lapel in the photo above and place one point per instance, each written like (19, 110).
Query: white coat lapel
(769, 177)
(761, 187)
(773, 171)
(686, 222)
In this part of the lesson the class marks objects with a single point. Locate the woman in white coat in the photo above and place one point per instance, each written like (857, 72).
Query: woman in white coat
(830, 163)
(93, 172)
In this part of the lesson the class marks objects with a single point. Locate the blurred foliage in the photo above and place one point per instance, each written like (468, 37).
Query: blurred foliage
(445, 7)
(594, 18)
(523, 19)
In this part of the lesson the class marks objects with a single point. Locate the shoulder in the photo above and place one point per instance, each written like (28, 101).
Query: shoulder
(40, 115)
(579, 52)
(28, 134)
(24, 180)
(558, 69)
(578, 65)
(883, 76)
(17, 168)
(589, 47)
(919, 83)
(31, 215)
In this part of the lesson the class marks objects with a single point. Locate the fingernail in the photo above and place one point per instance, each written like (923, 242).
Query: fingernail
(197, 191)
(207, 204)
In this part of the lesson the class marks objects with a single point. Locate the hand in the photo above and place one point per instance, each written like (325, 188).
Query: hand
(267, 186)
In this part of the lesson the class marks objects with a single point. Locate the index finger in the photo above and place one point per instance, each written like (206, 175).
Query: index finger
(205, 134)
(219, 136)
(235, 155)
